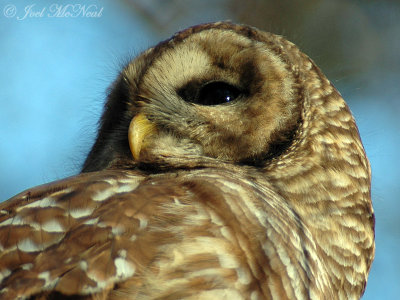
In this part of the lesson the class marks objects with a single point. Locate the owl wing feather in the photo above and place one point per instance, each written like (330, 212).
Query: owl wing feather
(66, 235)
(117, 233)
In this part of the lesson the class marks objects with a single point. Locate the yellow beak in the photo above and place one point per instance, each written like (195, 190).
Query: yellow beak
(139, 129)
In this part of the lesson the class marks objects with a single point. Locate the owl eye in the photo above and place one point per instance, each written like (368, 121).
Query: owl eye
(216, 92)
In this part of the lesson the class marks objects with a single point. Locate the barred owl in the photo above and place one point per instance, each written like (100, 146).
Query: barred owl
(226, 166)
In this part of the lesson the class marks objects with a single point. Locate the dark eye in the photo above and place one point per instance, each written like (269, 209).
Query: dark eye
(217, 92)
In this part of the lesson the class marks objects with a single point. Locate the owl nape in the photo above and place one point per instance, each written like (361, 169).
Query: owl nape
(226, 166)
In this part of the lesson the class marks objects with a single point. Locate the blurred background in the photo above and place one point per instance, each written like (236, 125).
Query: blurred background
(57, 63)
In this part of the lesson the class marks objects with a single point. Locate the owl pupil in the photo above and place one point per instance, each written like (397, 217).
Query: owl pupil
(216, 93)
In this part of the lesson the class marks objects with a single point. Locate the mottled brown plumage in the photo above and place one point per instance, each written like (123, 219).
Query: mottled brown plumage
(226, 167)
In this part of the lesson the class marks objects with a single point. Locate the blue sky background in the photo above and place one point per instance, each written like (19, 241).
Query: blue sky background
(55, 72)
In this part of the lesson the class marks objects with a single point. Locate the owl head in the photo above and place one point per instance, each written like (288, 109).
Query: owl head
(235, 98)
